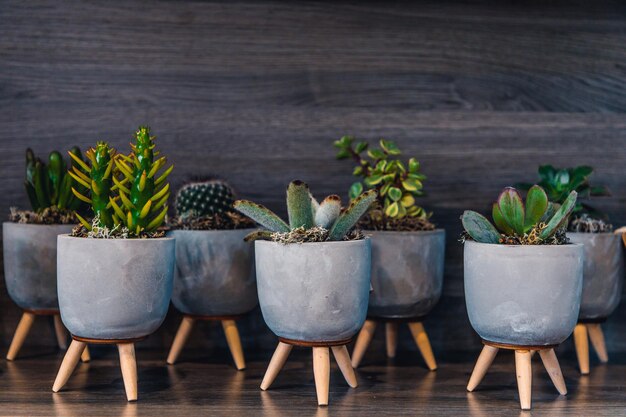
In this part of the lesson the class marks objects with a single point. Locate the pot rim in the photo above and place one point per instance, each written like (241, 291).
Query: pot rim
(7, 222)
(605, 234)
(525, 247)
(155, 239)
(211, 231)
(406, 232)
(330, 242)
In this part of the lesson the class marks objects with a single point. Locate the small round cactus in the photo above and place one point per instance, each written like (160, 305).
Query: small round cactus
(204, 198)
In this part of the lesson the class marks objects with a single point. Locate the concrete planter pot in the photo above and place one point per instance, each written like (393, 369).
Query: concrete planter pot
(214, 280)
(523, 295)
(30, 263)
(111, 289)
(314, 292)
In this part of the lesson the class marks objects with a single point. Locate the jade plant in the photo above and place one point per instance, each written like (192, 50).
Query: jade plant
(536, 221)
(398, 185)
(559, 182)
(207, 205)
(126, 192)
(309, 221)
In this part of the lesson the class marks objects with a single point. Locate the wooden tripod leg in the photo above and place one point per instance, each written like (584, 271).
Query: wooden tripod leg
(362, 342)
(487, 355)
(128, 364)
(180, 339)
(60, 332)
(582, 348)
(85, 356)
(321, 372)
(391, 338)
(523, 368)
(551, 363)
(597, 341)
(343, 360)
(276, 364)
(234, 343)
(23, 327)
(423, 344)
(69, 364)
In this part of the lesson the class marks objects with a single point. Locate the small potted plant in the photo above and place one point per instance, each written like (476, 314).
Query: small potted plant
(214, 276)
(115, 272)
(30, 243)
(313, 278)
(407, 249)
(603, 275)
(523, 283)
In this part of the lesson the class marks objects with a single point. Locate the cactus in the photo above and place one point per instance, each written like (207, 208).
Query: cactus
(126, 190)
(536, 221)
(306, 214)
(204, 198)
(49, 186)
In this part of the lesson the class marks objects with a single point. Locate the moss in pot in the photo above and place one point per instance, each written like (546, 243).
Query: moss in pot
(214, 276)
(313, 278)
(30, 242)
(115, 272)
(523, 283)
(603, 275)
(407, 249)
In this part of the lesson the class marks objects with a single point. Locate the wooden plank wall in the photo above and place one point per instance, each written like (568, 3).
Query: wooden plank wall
(255, 92)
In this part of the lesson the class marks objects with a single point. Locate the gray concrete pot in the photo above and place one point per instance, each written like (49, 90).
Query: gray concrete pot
(603, 275)
(314, 292)
(523, 295)
(407, 273)
(214, 272)
(30, 263)
(114, 288)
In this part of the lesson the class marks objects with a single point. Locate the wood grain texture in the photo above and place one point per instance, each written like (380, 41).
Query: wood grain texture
(256, 92)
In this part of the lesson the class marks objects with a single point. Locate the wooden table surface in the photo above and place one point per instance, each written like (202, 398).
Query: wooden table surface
(206, 383)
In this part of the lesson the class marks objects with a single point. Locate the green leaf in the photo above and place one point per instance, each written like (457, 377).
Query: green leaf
(350, 216)
(376, 154)
(385, 188)
(355, 190)
(299, 205)
(262, 215)
(536, 206)
(411, 185)
(562, 178)
(499, 221)
(343, 154)
(390, 147)
(582, 171)
(512, 208)
(373, 180)
(392, 210)
(357, 171)
(547, 172)
(407, 200)
(395, 193)
(479, 228)
(360, 147)
(380, 166)
(560, 217)
(414, 166)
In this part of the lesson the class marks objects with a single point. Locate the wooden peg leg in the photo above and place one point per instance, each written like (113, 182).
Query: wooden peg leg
(276, 364)
(128, 364)
(551, 363)
(23, 327)
(85, 356)
(321, 372)
(487, 355)
(423, 344)
(582, 348)
(60, 332)
(391, 338)
(343, 360)
(362, 342)
(234, 343)
(523, 368)
(180, 339)
(69, 364)
(597, 341)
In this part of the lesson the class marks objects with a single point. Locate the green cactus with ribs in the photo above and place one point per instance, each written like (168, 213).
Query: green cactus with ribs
(204, 198)
(125, 190)
(306, 213)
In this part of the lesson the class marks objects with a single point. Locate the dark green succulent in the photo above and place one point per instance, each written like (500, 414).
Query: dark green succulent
(537, 221)
(204, 198)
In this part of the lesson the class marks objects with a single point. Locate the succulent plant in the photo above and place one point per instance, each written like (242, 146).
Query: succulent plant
(126, 190)
(306, 214)
(204, 198)
(48, 185)
(397, 185)
(537, 221)
(560, 182)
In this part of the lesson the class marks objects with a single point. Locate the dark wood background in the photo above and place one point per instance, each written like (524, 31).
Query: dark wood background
(255, 92)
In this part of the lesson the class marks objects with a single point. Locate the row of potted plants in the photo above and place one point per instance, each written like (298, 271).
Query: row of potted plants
(319, 279)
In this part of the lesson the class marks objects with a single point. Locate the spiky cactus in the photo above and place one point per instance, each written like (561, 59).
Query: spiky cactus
(204, 198)
(306, 214)
(535, 222)
(126, 190)
(48, 185)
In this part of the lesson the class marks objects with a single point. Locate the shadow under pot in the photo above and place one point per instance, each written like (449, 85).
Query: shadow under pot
(603, 279)
(112, 291)
(407, 280)
(314, 295)
(214, 280)
(30, 271)
(522, 298)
